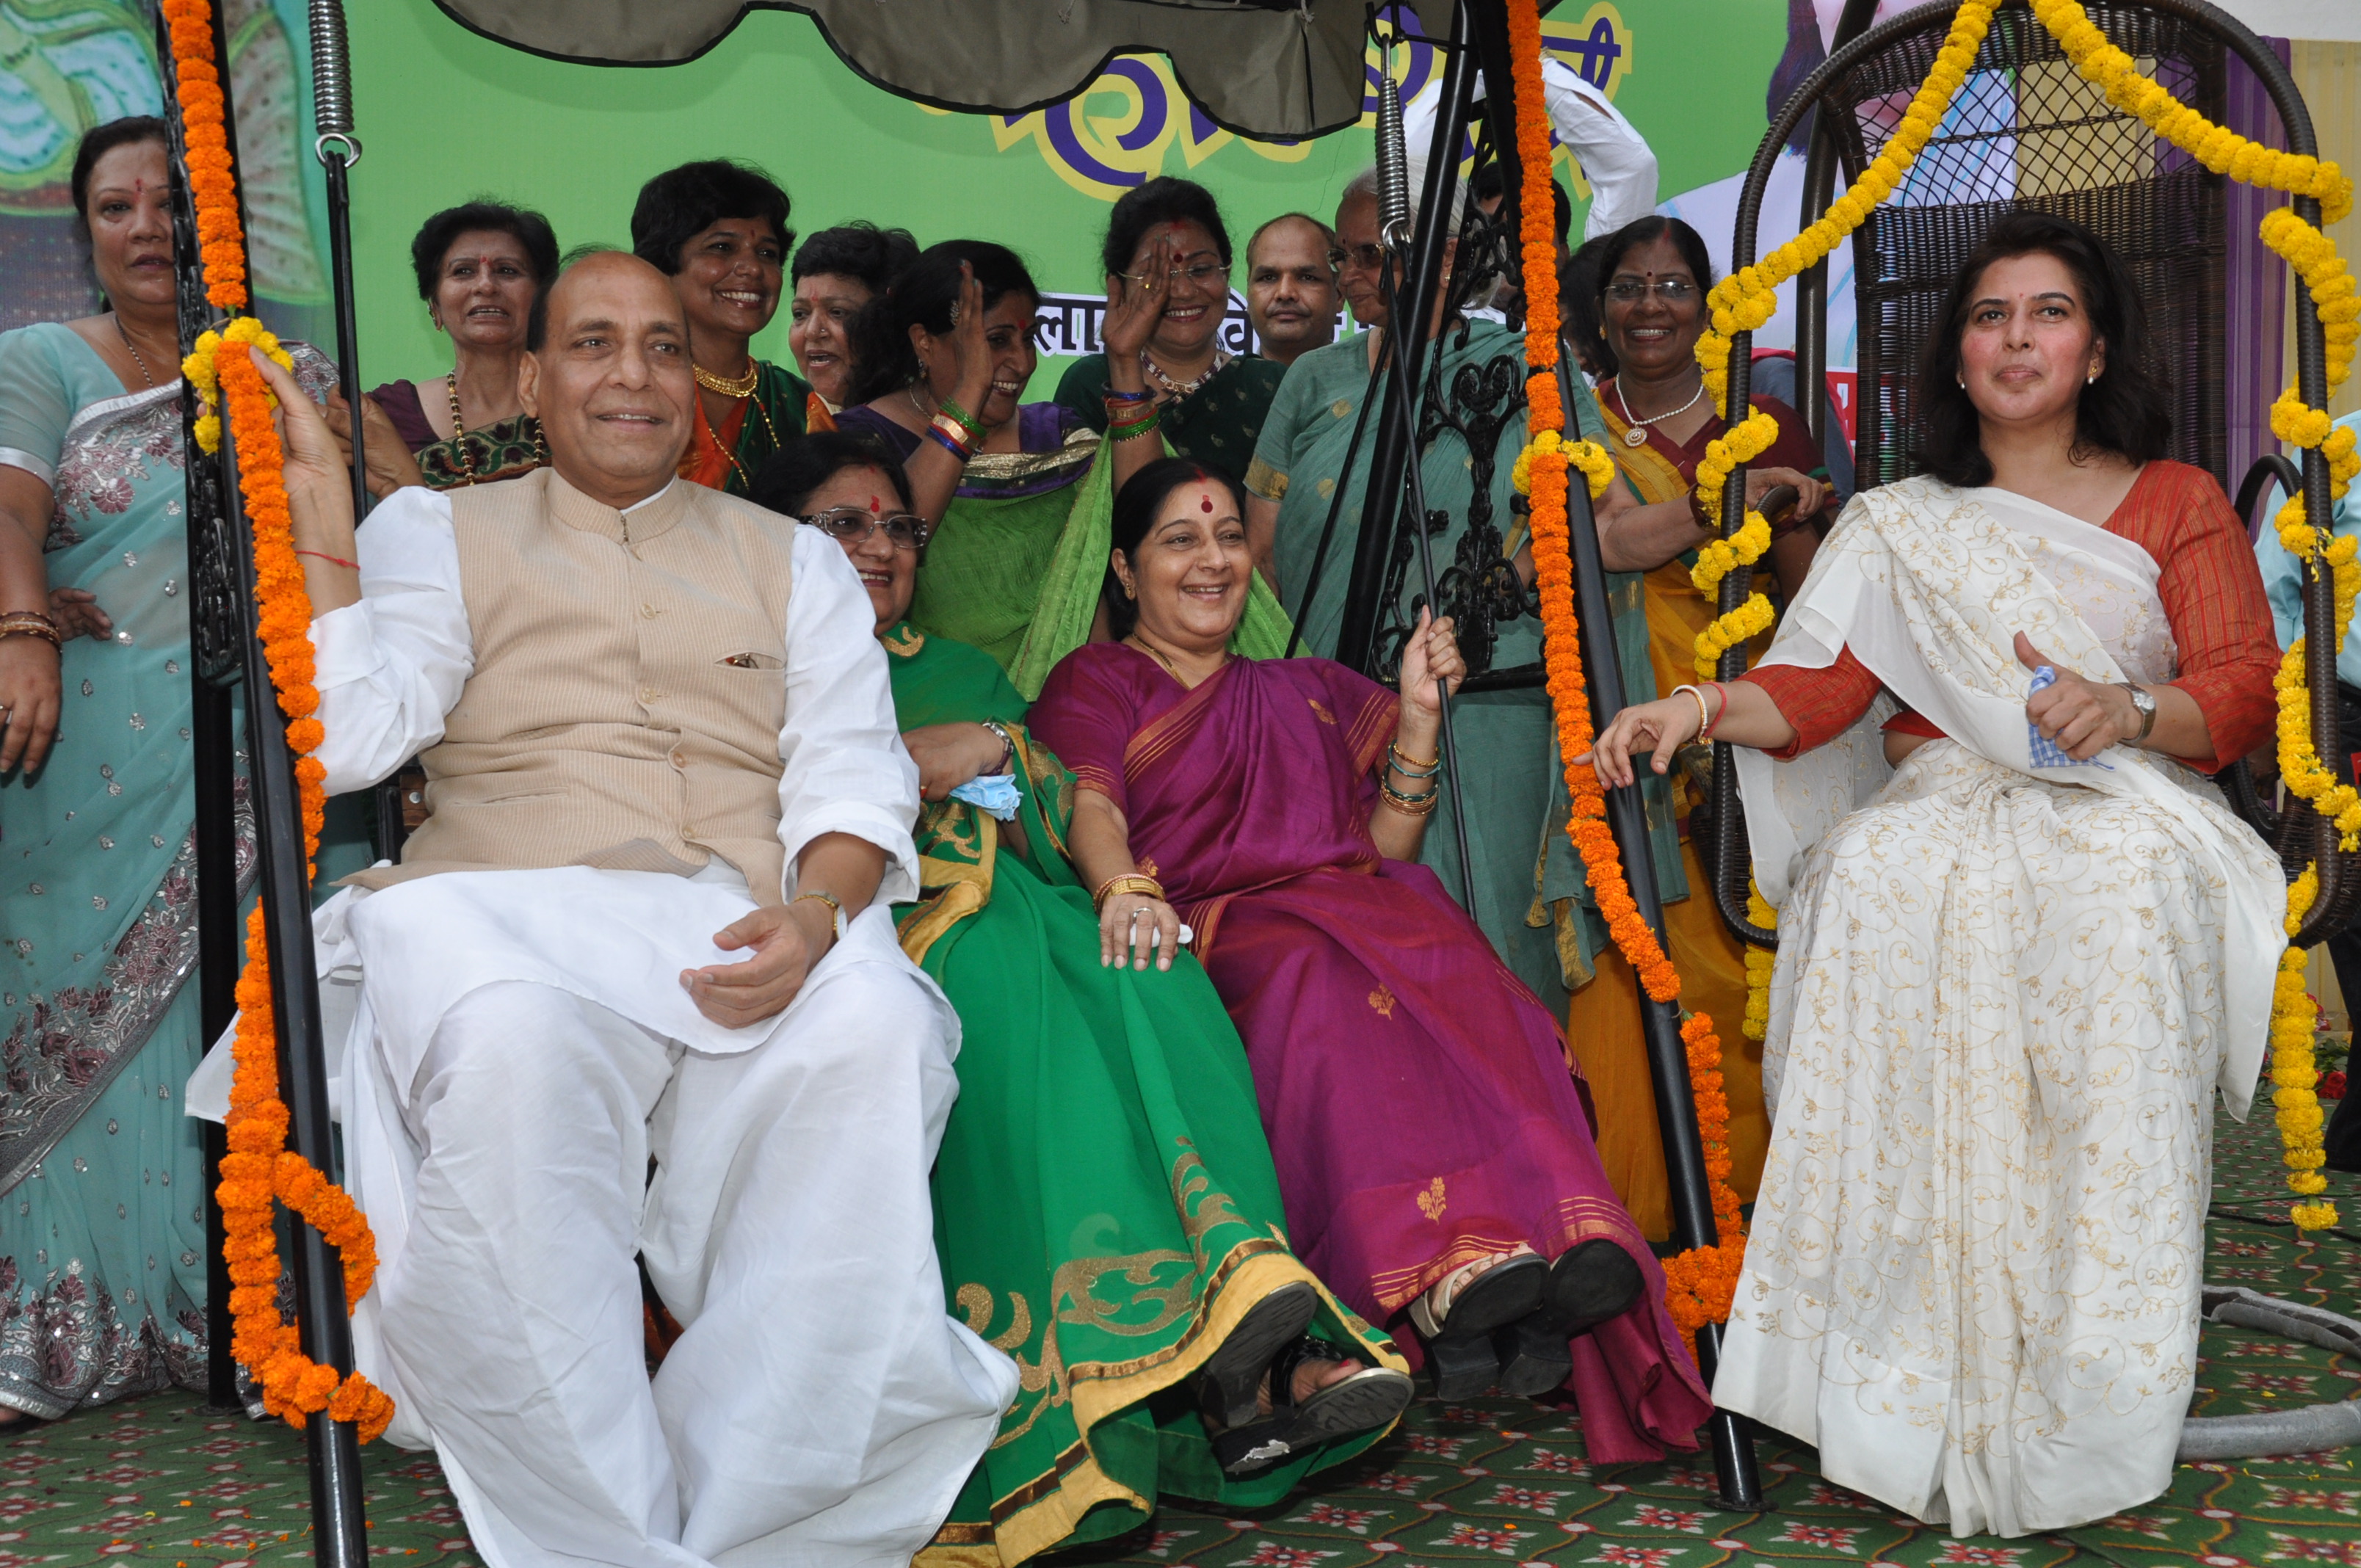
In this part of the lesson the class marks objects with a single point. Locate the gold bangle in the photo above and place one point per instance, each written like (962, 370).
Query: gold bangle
(25, 623)
(1130, 881)
(1410, 764)
(835, 909)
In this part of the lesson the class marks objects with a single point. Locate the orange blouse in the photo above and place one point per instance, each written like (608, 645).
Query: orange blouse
(2213, 596)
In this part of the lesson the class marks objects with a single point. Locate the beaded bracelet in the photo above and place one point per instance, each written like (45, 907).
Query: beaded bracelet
(966, 421)
(950, 446)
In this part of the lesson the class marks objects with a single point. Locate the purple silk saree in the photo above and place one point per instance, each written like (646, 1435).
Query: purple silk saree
(1418, 1103)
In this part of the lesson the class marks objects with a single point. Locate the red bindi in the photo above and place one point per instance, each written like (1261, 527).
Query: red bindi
(873, 503)
(1205, 503)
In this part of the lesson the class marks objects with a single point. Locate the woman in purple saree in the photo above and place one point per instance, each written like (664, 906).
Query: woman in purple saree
(1433, 1155)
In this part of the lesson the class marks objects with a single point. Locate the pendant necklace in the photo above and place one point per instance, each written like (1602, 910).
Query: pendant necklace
(1637, 435)
(138, 357)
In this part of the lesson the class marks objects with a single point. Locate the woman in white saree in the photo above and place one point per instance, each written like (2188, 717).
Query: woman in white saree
(2022, 940)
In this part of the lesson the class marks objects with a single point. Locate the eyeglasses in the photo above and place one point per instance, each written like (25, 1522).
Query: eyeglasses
(1205, 274)
(850, 525)
(1671, 290)
(1368, 257)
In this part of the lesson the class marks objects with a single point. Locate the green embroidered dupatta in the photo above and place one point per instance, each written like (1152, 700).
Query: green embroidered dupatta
(1106, 1207)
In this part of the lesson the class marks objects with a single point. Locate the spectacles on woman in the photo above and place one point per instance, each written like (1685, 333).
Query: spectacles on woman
(1632, 291)
(850, 525)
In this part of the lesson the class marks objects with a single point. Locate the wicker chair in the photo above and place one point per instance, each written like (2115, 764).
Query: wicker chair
(2027, 131)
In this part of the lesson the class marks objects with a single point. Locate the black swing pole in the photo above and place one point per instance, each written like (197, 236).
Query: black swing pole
(1407, 509)
(338, 149)
(214, 669)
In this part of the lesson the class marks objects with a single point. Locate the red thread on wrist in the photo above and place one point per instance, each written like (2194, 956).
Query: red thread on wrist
(332, 560)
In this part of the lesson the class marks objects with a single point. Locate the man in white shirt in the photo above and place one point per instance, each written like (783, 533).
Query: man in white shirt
(646, 923)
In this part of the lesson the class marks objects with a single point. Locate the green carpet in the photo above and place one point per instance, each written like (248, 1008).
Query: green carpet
(1495, 1481)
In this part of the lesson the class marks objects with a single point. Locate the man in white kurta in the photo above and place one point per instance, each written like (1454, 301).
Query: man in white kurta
(646, 923)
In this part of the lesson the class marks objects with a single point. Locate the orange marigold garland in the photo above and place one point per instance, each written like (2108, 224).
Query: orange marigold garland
(1700, 1282)
(260, 1171)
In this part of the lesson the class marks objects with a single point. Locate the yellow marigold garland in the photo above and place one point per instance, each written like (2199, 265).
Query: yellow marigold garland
(260, 1171)
(1700, 1282)
(2312, 257)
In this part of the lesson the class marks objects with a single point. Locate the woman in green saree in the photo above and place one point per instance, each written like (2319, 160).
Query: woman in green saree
(1105, 1206)
(1209, 401)
(1021, 495)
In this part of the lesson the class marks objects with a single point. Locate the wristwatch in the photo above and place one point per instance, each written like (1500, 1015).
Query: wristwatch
(2144, 704)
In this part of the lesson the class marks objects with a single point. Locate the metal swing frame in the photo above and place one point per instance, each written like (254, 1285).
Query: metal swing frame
(2298, 833)
(228, 654)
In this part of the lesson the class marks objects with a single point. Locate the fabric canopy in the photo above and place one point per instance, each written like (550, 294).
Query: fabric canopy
(1268, 69)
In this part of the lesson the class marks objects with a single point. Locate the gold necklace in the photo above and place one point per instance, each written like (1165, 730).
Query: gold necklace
(459, 429)
(1158, 654)
(743, 387)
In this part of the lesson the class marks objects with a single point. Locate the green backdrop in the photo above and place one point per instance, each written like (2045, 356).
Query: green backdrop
(447, 115)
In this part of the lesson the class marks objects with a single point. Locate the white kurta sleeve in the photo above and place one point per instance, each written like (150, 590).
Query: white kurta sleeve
(846, 771)
(392, 666)
(1615, 158)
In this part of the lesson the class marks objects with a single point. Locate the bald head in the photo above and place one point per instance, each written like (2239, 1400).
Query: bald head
(607, 373)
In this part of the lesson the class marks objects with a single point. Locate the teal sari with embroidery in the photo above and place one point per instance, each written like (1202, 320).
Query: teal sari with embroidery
(102, 1204)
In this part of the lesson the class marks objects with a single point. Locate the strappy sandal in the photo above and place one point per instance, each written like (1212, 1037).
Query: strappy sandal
(1367, 1400)
(1459, 1348)
(1232, 1376)
(1587, 1285)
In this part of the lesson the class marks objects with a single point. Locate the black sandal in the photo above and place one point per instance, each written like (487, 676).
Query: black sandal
(1371, 1397)
(1589, 1283)
(1231, 1375)
(1460, 1350)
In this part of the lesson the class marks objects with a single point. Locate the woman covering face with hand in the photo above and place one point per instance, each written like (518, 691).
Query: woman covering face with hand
(1104, 1200)
(1019, 493)
(1432, 1148)
(1167, 256)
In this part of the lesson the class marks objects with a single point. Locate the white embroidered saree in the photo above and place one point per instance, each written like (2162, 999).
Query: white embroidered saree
(2002, 999)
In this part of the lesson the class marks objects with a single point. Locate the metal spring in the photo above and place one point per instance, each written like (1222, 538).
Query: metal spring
(331, 77)
(1393, 171)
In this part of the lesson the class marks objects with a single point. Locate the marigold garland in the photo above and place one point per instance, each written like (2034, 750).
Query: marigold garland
(260, 1171)
(2312, 257)
(1700, 1283)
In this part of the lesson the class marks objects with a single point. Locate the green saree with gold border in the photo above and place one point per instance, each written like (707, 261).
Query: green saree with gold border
(1106, 1207)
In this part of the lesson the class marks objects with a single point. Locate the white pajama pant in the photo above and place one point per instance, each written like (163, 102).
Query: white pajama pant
(820, 1408)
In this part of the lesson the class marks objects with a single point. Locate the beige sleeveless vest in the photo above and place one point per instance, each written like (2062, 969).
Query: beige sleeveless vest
(629, 688)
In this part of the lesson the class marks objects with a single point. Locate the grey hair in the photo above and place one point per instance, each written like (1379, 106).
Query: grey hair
(1365, 183)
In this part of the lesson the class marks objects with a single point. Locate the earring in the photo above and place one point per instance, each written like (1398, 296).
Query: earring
(1129, 592)
(1963, 382)
(2092, 377)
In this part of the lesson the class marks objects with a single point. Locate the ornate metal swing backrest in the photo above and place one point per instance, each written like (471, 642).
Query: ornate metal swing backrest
(2026, 131)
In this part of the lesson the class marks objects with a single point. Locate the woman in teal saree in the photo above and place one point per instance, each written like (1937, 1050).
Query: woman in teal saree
(1106, 1207)
(102, 1221)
